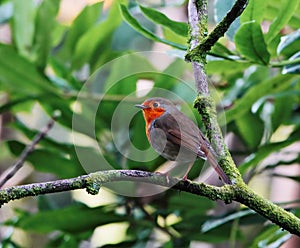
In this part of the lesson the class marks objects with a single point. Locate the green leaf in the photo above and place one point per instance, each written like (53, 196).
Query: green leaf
(282, 163)
(275, 7)
(250, 42)
(288, 40)
(179, 28)
(65, 240)
(189, 205)
(211, 224)
(50, 162)
(138, 27)
(18, 101)
(265, 150)
(90, 44)
(286, 11)
(225, 67)
(295, 178)
(132, 65)
(219, 48)
(68, 219)
(251, 134)
(283, 103)
(45, 21)
(45, 160)
(83, 22)
(292, 68)
(23, 25)
(168, 34)
(243, 80)
(272, 236)
(17, 73)
(171, 75)
(266, 87)
(254, 11)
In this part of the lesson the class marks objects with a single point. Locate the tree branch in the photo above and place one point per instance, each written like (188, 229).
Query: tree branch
(219, 31)
(197, 13)
(93, 182)
(200, 44)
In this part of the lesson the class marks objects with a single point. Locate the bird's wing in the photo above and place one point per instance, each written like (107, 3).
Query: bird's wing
(204, 150)
(186, 134)
(188, 140)
(182, 132)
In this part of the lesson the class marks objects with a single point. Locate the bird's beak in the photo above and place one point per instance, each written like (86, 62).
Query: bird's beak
(141, 106)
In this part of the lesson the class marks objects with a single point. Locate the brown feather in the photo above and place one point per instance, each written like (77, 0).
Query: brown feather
(187, 139)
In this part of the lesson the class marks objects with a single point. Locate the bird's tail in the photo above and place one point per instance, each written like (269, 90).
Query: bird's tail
(213, 162)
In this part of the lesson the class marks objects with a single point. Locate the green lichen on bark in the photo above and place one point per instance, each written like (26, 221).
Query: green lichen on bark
(213, 193)
(208, 41)
(266, 208)
(78, 184)
(195, 56)
(94, 182)
(206, 108)
(197, 31)
(228, 166)
(239, 192)
(14, 193)
(201, 6)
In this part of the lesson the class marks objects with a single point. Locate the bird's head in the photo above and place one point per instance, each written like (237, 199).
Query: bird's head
(155, 107)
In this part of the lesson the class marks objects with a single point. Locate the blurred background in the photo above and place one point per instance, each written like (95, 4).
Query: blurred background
(92, 61)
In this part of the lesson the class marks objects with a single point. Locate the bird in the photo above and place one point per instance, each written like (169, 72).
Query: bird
(176, 137)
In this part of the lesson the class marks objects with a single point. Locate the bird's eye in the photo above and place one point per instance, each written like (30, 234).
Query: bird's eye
(155, 104)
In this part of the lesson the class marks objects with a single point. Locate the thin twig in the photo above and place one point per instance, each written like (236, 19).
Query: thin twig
(30, 148)
(219, 31)
(222, 27)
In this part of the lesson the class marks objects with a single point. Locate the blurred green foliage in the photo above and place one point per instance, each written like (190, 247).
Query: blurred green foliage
(256, 73)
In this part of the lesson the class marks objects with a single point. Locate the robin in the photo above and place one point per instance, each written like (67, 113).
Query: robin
(175, 137)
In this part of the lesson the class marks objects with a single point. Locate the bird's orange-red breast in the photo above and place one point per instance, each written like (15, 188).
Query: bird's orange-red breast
(174, 136)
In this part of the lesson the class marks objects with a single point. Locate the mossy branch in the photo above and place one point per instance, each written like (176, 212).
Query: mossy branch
(219, 31)
(93, 182)
(200, 44)
(197, 13)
